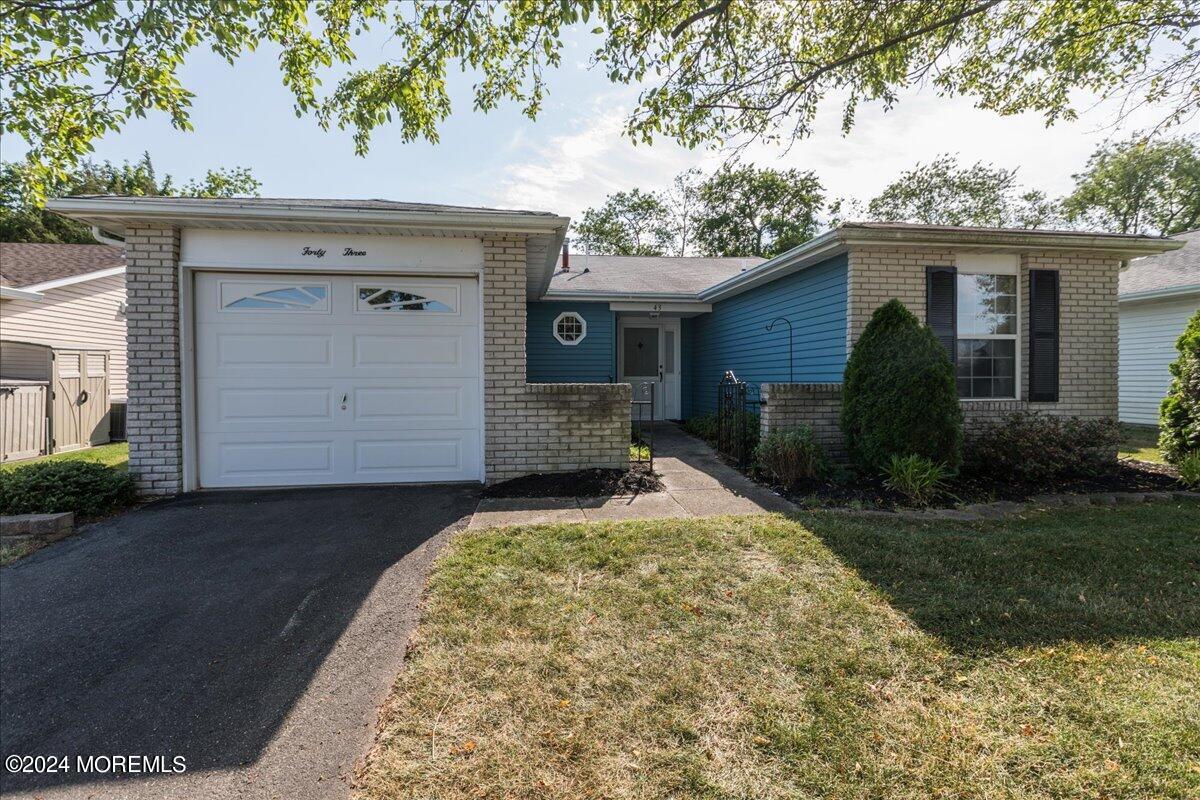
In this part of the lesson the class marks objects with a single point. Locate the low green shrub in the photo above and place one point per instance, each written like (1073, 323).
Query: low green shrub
(791, 456)
(1179, 416)
(85, 487)
(1189, 469)
(1031, 448)
(898, 394)
(703, 426)
(916, 477)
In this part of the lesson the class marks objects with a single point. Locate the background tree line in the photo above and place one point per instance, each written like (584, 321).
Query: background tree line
(24, 219)
(1135, 186)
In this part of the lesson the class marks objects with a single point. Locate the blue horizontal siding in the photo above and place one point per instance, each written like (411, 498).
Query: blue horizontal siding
(734, 335)
(550, 361)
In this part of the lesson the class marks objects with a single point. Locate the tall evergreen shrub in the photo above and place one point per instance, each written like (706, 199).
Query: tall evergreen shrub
(1179, 416)
(898, 394)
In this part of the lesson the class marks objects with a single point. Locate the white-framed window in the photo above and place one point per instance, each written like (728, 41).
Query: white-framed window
(987, 306)
(274, 296)
(372, 298)
(570, 328)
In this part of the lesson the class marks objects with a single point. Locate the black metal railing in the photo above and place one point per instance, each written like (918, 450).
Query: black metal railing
(738, 406)
(641, 449)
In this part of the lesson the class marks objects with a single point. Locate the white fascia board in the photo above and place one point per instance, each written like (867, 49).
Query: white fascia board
(1155, 294)
(193, 212)
(813, 251)
(1012, 241)
(666, 308)
(9, 293)
(73, 279)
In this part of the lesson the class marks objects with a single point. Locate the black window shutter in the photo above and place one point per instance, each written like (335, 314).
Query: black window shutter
(941, 306)
(1043, 336)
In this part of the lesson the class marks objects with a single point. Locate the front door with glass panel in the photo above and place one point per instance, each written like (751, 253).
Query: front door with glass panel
(649, 361)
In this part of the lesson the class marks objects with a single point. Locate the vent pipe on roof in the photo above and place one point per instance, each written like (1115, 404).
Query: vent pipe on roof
(566, 258)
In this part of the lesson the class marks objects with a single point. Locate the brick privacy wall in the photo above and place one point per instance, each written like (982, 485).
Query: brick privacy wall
(1087, 326)
(552, 427)
(153, 422)
(817, 405)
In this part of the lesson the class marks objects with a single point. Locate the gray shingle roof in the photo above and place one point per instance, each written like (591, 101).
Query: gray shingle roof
(642, 274)
(30, 264)
(1171, 270)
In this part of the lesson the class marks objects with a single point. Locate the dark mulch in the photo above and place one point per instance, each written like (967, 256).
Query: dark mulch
(585, 483)
(851, 490)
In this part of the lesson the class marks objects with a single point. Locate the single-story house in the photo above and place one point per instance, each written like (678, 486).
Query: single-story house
(300, 342)
(62, 326)
(1158, 295)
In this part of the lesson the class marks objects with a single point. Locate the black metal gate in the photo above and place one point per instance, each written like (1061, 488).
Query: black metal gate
(737, 419)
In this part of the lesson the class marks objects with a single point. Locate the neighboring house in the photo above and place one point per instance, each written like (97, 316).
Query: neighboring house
(1158, 295)
(292, 342)
(63, 295)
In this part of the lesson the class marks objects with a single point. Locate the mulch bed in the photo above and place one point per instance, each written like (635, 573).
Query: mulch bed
(1127, 476)
(584, 483)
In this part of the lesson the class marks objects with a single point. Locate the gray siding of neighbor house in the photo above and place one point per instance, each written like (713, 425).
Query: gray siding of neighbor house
(87, 313)
(1149, 329)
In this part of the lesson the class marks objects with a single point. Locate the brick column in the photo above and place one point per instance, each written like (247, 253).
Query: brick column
(503, 352)
(154, 425)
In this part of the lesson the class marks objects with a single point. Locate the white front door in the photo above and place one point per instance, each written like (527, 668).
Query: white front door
(649, 360)
(331, 379)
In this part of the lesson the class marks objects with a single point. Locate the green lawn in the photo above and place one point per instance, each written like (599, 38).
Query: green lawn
(1140, 442)
(114, 455)
(823, 656)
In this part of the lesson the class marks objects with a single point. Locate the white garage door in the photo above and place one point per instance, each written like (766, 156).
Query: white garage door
(319, 379)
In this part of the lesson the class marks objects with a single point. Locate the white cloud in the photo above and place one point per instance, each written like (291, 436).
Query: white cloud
(570, 171)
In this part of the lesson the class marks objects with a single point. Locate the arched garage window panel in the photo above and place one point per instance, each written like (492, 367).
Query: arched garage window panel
(269, 296)
(570, 328)
(374, 298)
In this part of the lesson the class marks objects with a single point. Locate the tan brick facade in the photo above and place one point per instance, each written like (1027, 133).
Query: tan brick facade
(528, 428)
(816, 405)
(1087, 312)
(538, 427)
(154, 425)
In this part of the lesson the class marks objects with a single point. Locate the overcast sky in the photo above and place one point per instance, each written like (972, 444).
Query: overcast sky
(574, 154)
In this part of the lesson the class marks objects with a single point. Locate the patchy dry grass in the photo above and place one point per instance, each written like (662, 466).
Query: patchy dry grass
(10, 553)
(1055, 656)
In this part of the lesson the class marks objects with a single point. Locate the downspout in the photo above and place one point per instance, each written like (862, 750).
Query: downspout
(103, 238)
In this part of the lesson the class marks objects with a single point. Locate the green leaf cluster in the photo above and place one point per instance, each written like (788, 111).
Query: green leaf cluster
(1179, 416)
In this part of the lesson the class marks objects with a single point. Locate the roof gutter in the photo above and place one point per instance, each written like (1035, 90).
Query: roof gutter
(814, 250)
(1117, 244)
(597, 296)
(1155, 294)
(73, 279)
(11, 293)
(200, 212)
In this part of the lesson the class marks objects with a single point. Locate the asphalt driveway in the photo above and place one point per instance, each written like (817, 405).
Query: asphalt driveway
(251, 633)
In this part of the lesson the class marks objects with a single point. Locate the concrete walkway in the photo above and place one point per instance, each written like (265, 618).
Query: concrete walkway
(697, 484)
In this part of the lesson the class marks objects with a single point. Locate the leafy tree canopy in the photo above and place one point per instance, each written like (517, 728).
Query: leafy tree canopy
(747, 211)
(1139, 187)
(712, 70)
(740, 210)
(633, 223)
(23, 219)
(945, 193)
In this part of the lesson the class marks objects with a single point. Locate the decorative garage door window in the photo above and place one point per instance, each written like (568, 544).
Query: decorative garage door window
(374, 298)
(261, 296)
(570, 328)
